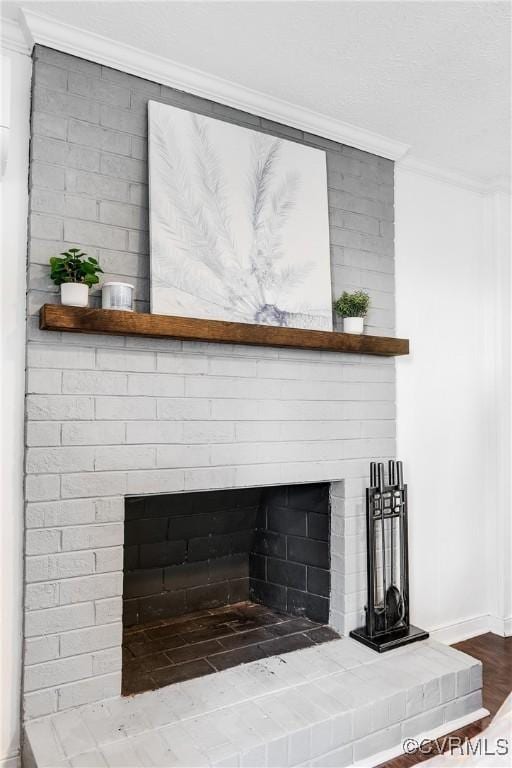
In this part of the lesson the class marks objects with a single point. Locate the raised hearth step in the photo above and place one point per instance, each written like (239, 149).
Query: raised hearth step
(331, 704)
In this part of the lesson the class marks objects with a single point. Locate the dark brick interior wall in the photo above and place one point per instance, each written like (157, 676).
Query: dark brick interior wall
(190, 551)
(290, 562)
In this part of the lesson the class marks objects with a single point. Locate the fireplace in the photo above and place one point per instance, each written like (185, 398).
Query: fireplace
(213, 579)
(122, 430)
(111, 418)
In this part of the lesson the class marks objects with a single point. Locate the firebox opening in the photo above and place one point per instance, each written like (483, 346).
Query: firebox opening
(217, 578)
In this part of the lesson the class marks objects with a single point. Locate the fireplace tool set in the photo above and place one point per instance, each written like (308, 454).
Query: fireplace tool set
(387, 563)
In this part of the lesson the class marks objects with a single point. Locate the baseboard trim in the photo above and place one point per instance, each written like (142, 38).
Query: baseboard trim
(499, 626)
(467, 628)
(463, 630)
(434, 733)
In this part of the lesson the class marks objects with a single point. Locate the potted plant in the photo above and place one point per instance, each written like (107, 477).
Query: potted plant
(75, 272)
(353, 308)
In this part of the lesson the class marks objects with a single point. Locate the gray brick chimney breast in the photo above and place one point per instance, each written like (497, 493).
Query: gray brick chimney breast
(109, 417)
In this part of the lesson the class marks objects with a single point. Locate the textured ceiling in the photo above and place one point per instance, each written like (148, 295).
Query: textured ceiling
(435, 75)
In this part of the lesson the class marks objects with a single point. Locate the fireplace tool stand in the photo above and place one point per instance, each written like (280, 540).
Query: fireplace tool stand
(387, 562)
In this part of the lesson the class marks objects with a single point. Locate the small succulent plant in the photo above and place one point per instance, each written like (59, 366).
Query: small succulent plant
(74, 266)
(352, 304)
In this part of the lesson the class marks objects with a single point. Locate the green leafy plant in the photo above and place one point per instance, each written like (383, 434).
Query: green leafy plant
(73, 266)
(352, 304)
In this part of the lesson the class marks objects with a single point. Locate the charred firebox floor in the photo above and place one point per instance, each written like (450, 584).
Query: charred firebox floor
(196, 644)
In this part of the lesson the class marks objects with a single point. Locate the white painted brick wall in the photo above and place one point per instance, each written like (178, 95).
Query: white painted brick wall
(91, 639)
(110, 416)
(325, 706)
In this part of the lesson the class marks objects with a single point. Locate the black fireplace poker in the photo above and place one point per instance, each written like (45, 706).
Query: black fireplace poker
(387, 563)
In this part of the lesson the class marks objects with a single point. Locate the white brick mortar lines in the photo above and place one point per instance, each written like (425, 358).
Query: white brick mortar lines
(323, 706)
(111, 416)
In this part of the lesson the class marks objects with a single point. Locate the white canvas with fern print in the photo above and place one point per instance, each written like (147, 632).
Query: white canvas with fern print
(239, 223)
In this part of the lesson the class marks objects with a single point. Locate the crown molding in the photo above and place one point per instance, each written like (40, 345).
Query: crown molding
(47, 31)
(470, 183)
(13, 37)
(36, 28)
(501, 184)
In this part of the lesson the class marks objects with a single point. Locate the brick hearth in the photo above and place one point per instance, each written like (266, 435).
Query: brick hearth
(328, 705)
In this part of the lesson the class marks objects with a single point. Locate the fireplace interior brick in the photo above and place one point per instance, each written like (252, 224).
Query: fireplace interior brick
(195, 551)
(186, 552)
(186, 647)
(290, 570)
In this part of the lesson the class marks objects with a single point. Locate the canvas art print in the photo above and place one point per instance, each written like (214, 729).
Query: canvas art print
(239, 223)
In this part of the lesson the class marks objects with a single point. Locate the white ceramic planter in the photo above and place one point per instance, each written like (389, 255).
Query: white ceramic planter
(353, 324)
(74, 294)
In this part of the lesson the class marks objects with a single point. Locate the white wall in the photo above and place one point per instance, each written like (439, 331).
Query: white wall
(498, 347)
(448, 416)
(13, 191)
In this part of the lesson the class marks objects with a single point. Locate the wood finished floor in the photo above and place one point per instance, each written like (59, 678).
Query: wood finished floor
(495, 653)
(177, 649)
